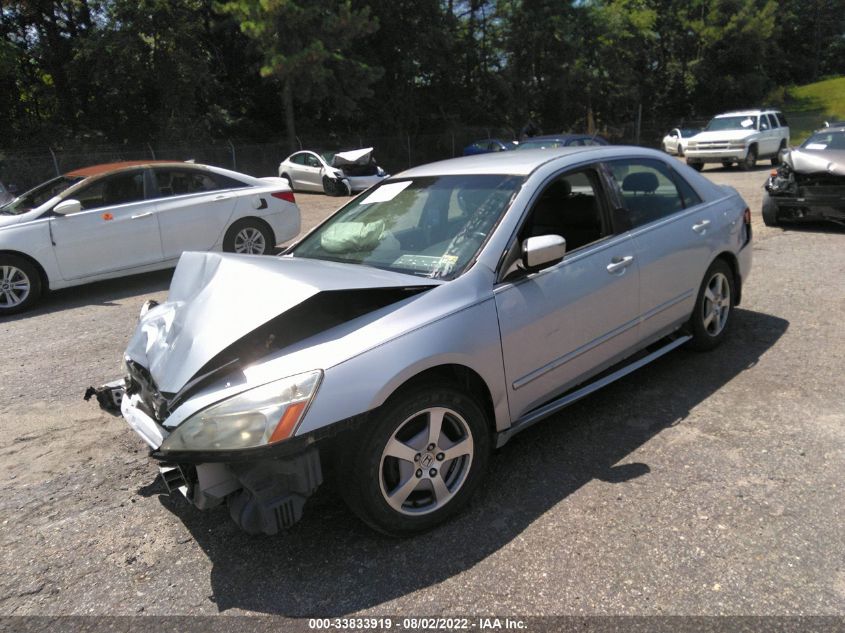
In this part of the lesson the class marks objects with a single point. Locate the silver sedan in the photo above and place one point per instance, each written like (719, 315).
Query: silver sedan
(424, 324)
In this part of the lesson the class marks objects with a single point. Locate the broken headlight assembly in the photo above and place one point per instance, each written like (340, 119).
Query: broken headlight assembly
(256, 417)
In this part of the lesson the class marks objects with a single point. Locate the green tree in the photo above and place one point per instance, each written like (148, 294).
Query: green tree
(305, 46)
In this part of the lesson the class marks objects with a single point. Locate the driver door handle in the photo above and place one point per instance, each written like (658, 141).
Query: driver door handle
(619, 263)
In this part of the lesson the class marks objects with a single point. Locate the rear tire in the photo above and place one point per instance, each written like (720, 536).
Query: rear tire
(20, 284)
(416, 461)
(249, 236)
(711, 316)
(770, 211)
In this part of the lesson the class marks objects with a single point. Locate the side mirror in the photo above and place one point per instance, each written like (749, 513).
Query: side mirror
(66, 207)
(542, 251)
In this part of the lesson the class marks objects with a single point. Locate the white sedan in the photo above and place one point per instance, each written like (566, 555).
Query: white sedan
(675, 142)
(125, 218)
(341, 173)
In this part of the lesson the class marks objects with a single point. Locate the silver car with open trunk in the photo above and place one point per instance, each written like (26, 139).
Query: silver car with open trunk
(422, 325)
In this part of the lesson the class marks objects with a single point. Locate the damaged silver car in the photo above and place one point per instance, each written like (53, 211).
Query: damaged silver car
(336, 174)
(809, 183)
(422, 325)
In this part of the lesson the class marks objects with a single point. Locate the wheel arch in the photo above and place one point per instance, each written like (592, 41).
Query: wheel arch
(730, 259)
(42, 273)
(455, 374)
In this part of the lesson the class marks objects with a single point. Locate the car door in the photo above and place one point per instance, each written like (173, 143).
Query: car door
(194, 207)
(564, 323)
(313, 172)
(117, 228)
(671, 229)
(299, 172)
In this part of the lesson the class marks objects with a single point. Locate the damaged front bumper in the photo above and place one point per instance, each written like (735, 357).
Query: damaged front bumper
(799, 197)
(265, 487)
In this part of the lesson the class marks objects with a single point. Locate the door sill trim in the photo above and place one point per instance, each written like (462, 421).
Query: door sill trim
(544, 411)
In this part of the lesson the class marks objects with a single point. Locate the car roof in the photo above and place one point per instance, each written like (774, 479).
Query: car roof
(95, 170)
(524, 162)
(559, 137)
(752, 112)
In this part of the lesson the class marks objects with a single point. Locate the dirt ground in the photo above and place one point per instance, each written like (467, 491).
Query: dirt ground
(701, 484)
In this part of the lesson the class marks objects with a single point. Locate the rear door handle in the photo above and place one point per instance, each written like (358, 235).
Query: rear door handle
(701, 226)
(619, 263)
(141, 215)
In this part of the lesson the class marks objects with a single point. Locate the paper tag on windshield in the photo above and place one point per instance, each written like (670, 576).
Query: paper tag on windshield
(747, 123)
(816, 146)
(387, 192)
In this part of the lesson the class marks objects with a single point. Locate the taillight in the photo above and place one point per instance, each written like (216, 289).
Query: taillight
(287, 196)
(746, 220)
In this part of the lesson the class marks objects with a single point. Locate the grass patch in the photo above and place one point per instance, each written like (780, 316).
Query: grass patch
(808, 107)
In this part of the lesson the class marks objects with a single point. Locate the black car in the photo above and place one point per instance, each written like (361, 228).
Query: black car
(809, 183)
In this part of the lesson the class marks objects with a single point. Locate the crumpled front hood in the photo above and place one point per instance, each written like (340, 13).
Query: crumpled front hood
(816, 161)
(723, 135)
(218, 299)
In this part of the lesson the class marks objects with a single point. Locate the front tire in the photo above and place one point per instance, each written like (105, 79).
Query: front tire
(776, 157)
(750, 161)
(711, 316)
(697, 166)
(332, 187)
(249, 236)
(20, 284)
(417, 461)
(770, 211)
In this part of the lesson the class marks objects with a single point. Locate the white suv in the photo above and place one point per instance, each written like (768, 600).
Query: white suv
(739, 137)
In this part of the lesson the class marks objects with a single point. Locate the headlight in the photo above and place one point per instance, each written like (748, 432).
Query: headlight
(692, 144)
(737, 144)
(256, 417)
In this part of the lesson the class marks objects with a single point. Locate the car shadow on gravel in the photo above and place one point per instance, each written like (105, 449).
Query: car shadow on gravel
(103, 293)
(331, 564)
(813, 227)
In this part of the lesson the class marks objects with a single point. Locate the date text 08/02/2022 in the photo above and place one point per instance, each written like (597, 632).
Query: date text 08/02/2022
(418, 624)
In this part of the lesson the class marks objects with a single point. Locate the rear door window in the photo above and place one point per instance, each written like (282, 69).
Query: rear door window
(648, 190)
(177, 182)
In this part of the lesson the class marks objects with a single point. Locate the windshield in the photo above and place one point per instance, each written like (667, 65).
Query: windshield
(825, 141)
(541, 144)
(740, 122)
(42, 193)
(689, 131)
(430, 227)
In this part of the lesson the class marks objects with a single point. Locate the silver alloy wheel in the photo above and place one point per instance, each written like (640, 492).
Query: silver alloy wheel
(250, 241)
(716, 305)
(426, 461)
(14, 286)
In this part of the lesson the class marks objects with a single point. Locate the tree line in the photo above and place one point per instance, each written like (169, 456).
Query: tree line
(178, 70)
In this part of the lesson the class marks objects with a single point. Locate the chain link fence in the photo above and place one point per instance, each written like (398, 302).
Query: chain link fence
(25, 167)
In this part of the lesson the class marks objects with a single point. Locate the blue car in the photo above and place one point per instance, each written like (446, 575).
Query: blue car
(489, 145)
(561, 140)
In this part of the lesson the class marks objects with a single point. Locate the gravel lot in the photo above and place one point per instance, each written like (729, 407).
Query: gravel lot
(702, 484)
